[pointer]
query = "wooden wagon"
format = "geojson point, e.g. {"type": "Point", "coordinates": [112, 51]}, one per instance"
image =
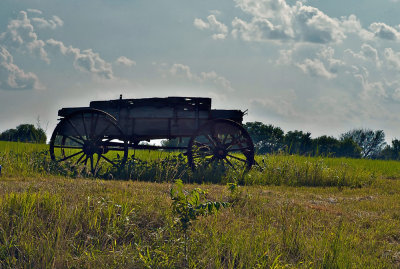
{"type": "Point", "coordinates": [102, 134]}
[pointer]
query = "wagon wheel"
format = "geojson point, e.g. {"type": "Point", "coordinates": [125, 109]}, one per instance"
{"type": "Point", "coordinates": [221, 142]}
{"type": "Point", "coordinates": [90, 138]}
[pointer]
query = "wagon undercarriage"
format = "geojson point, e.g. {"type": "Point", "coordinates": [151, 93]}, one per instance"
{"type": "Point", "coordinates": [102, 135]}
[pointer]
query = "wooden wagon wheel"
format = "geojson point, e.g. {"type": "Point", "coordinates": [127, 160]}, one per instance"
{"type": "Point", "coordinates": [221, 142]}
{"type": "Point", "coordinates": [89, 138]}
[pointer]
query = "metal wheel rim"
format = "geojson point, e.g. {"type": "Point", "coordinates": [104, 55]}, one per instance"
{"type": "Point", "coordinates": [88, 142]}
{"type": "Point", "coordinates": [221, 152]}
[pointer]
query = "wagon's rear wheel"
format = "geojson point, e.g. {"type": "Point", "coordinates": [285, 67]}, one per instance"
{"type": "Point", "coordinates": [222, 143]}
{"type": "Point", "coordinates": [90, 139]}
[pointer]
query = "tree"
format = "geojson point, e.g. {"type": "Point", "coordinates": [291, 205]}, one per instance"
{"type": "Point", "coordinates": [391, 152]}
{"type": "Point", "coordinates": [325, 145]}
{"type": "Point", "coordinates": [348, 148]}
{"type": "Point", "coordinates": [24, 133]}
{"type": "Point", "coordinates": [298, 142]}
{"type": "Point", "coordinates": [266, 138]}
{"type": "Point", "coordinates": [371, 142]}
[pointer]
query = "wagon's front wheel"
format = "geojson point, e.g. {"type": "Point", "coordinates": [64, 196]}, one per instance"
{"type": "Point", "coordinates": [90, 139]}
{"type": "Point", "coordinates": [223, 143]}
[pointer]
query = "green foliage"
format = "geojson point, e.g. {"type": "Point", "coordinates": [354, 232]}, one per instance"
{"type": "Point", "coordinates": [391, 152]}
{"type": "Point", "coordinates": [371, 142]}
{"type": "Point", "coordinates": [266, 138]}
{"type": "Point", "coordinates": [189, 206]}
{"type": "Point", "coordinates": [24, 133]}
{"type": "Point", "coordinates": [297, 142]}
{"type": "Point", "coordinates": [271, 139]}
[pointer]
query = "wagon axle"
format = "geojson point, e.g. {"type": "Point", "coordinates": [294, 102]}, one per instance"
{"type": "Point", "coordinates": [100, 135]}
{"type": "Point", "coordinates": [91, 147]}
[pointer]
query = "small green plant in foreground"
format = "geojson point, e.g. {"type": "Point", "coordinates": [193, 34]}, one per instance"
{"type": "Point", "coordinates": [188, 206]}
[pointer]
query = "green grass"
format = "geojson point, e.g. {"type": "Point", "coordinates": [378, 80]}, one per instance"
{"type": "Point", "coordinates": [293, 212]}
{"type": "Point", "coordinates": [32, 160]}
{"type": "Point", "coordinates": [119, 224]}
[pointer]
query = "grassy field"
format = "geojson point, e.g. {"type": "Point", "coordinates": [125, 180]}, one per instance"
{"type": "Point", "coordinates": [288, 212]}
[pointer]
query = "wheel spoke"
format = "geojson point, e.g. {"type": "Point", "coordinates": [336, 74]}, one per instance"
{"type": "Point", "coordinates": [85, 161]}
{"type": "Point", "coordinates": [108, 160]}
{"type": "Point", "coordinates": [211, 140]}
{"type": "Point", "coordinates": [97, 162]}
{"type": "Point", "coordinates": [202, 155]}
{"type": "Point", "coordinates": [239, 149]}
{"type": "Point", "coordinates": [103, 132]}
{"type": "Point", "coordinates": [91, 165]}
{"type": "Point", "coordinates": [70, 156]}
{"type": "Point", "coordinates": [237, 158]}
{"type": "Point", "coordinates": [225, 138]}
{"type": "Point", "coordinates": [233, 142]}
{"type": "Point", "coordinates": [201, 144]}
{"type": "Point", "coordinates": [229, 162]}
{"type": "Point", "coordinates": [66, 147]}
{"type": "Point", "coordinates": [75, 140]}
{"type": "Point", "coordinates": [210, 160]}
{"type": "Point", "coordinates": [84, 125]}
{"type": "Point", "coordinates": [80, 158]}
{"type": "Point", "coordinates": [75, 129]}
{"type": "Point", "coordinates": [93, 125]}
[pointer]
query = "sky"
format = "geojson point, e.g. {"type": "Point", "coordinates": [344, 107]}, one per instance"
{"type": "Point", "coordinates": [324, 67]}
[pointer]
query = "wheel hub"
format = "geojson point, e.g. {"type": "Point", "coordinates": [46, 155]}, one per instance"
{"type": "Point", "coordinates": [90, 148]}
{"type": "Point", "coordinates": [220, 153]}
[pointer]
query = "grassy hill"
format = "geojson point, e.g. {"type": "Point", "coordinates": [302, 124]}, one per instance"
{"type": "Point", "coordinates": [289, 212]}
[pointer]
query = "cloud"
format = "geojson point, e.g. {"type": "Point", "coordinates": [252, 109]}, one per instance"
{"type": "Point", "coordinates": [352, 25]}
{"type": "Point", "coordinates": [20, 34]}
{"type": "Point", "coordinates": [392, 58]}
{"type": "Point", "coordinates": [214, 25]}
{"type": "Point", "coordinates": [125, 61]}
{"type": "Point", "coordinates": [200, 24]}
{"type": "Point", "coordinates": [85, 61]}
{"type": "Point", "coordinates": [371, 90]}
{"type": "Point", "coordinates": [36, 11]}
{"type": "Point", "coordinates": [276, 20]}
{"type": "Point", "coordinates": [322, 64]}
{"type": "Point", "coordinates": [52, 23]}
{"type": "Point", "coordinates": [259, 29]}
{"type": "Point", "coordinates": [14, 78]}
{"type": "Point", "coordinates": [182, 71]}
{"type": "Point", "coordinates": [316, 68]}
{"type": "Point", "coordinates": [315, 26]}
{"type": "Point", "coordinates": [384, 31]}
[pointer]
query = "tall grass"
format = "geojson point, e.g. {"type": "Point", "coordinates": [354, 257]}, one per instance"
{"type": "Point", "coordinates": [32, 160]}
{"type": "Point", "coordinates": [130, 225]}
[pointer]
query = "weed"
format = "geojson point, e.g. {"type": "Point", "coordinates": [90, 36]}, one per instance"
{"type": "Point", "coordinates": [187, 207]}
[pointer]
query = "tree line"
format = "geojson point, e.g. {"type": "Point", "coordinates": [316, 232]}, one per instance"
{"type": "Point", "coordinates": [24, 133]}
{"type": "Point", "coordinates": [356, 143]}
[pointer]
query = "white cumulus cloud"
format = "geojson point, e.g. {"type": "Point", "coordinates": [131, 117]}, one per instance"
{"type": "Point", "coordinates": [14, 78]}
{"type": "Point", "coordinates": [220, 30]}
{"type": "Point", "coordinates": [125, 61]}
{"type": "Point", "coordinates": [20, 34]}
{"type": "Point", "coordinates": [84, 61]}
{"type": "Point", "coordinates": [315, 67]}
{"type": "Point", "coordinates": [52, 23]}
{"type": "Point", "coordinates": [384, 31]}
{"type": "Point", "coordinates": [277, 20]}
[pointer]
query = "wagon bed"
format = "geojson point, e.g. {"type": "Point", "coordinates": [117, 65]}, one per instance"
{"type": "Point", "coordinates": [89, 136]}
